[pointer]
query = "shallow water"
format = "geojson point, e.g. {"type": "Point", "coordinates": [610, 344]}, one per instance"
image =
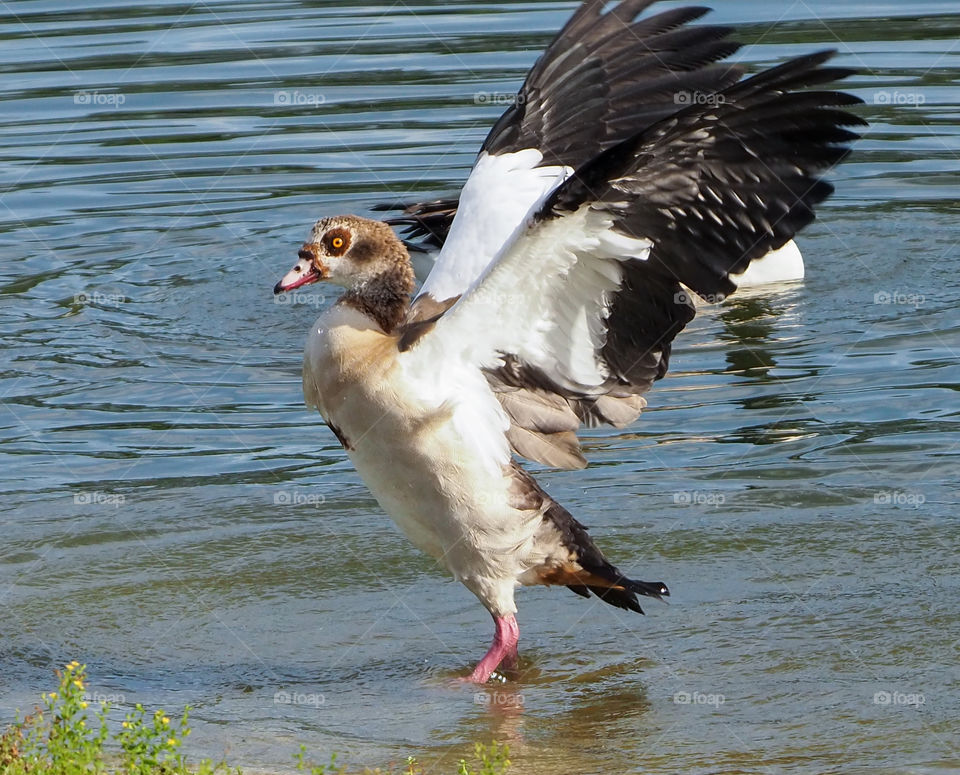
{"type": "Point", "coordinates": [176, 519]}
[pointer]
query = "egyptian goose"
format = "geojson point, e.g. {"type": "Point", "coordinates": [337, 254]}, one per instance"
{"type": "Point", "coordinates": [596, 198]}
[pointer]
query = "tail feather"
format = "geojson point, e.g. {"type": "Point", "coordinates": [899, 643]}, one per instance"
{"type": "Point", "coordinates": [624, 596]}
{"type": "Point", "coordinates": [576, 561]}
{"type": "Point", "coordinates": [621, 598]}
{"type": "Point", "coordinates": [594, 572]}
{"type": "Point", "coordinates": [655, 589]}
{"type": "Point", "coordinates": [579, 589]}
{"type": "Point", "coordinates": [622, 591]}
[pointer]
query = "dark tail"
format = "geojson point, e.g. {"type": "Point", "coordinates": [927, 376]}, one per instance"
{"type": "Point", "coordinates": [574, 560]}
{"type": "Point", "coordinates": [623, 593]}
{"type": "Point", "coordinates": [595, 574]}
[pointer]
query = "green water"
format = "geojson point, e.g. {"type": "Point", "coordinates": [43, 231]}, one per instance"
{"type": "Point", "coordinates": [174, 517]}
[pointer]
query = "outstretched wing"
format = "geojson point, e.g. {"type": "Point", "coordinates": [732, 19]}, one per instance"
{"type": "Point", "coordinates": [604, 77]}
{"type": "Point", "coordinates": [428, 222]}
{"type": "Point", "coordinates": [574, 320]}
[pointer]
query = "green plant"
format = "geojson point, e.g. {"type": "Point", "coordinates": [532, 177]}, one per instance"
{"type": "Point", "coordinates": [316, 769]}
{"type": "Point", "coordinates": [494, 760]}
{"type": "Point", "coordinates": [60, 738]}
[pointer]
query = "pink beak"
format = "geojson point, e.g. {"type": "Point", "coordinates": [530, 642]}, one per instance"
{"type": "Point", "coordinates": [304, 271]}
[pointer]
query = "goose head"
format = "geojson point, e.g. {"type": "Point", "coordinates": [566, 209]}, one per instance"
{"type": "Point", "coordinates": [347, 251]}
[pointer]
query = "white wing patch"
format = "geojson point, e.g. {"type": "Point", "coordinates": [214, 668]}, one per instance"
{"type": "Point", "coordinates": [544, 300]}
{"type": "Point", "coordinates": [778, 266]}
{"type": "Point", "coordinates": [496, 203]}
{"type": "Point", "coordinates": [458, 390]}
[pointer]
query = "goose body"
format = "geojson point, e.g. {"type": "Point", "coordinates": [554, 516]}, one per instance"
{"type": "Point", "coordinates": [436, 483]}
{"type": "Point", "coordinates": [597, 209]}
{"type": "Point", "coordinates": [435, 454]}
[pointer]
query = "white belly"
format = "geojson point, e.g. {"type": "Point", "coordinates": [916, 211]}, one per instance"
{"type": "Point", "coordinates": [439, 484]}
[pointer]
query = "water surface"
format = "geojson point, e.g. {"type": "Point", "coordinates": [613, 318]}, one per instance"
{"type": "Point", "coordinates": [176, 519]}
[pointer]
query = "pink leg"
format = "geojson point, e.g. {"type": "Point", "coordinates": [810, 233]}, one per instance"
{"type": "Point", "coordinates": [503, 649]}
{"type": "Point", "coordinates": [512, 659]}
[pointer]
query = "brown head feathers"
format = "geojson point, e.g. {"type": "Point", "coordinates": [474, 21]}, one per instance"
{"type": "Point", "coordinates": [369, 260]}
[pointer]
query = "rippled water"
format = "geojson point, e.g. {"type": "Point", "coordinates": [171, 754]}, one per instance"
{"type": "Point", "coordinates": [175, 518]}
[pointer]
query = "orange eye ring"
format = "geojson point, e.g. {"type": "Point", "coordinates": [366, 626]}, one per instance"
{"type": "Point", "coordinates": [337, 242]}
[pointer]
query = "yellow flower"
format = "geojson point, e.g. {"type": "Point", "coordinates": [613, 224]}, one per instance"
{"type": "Point", "coordinates": [78, 683]}
{"type": "Point", "coordinates": [53, 695]}
{"type": "Point", "coordinates": [125, 725]}
{"type": "Point", "coordinates": [73, 665]}
{"type": "Point", "coordinates": [84, 704]}
{"type": "Point", "coordinates": [165, 720]}
{"type": "Point", "coordinates": [172, 742]}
